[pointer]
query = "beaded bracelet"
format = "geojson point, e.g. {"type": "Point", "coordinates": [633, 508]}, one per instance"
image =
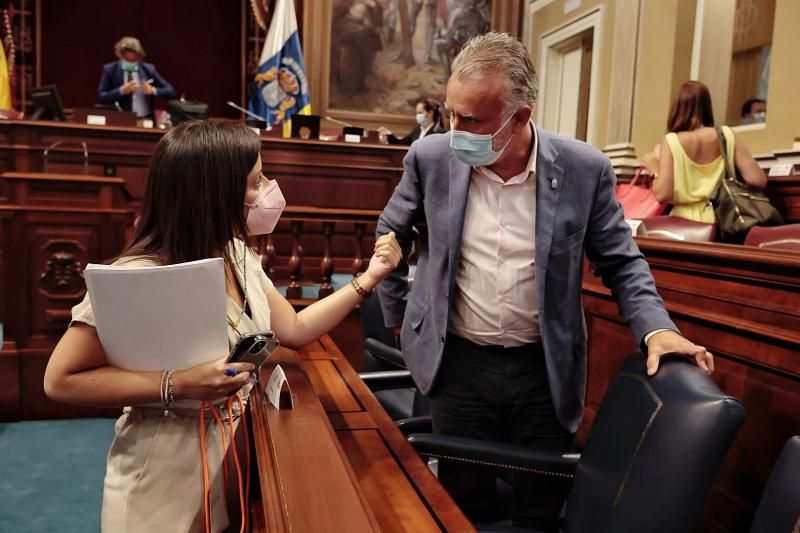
{"type": "Point", "coordinates": [361, 291]}
{"type": "Point", "coordinates": [167, 388]}
{"type": "Point", "coordinates": [170, 388]}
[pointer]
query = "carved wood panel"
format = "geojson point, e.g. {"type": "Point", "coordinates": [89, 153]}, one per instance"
{"type": "Point", "coordinates": [58, 257]}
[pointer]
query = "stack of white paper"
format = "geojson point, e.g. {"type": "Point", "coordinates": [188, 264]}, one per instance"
{"type": "Point", "coordinates": [152, 318]}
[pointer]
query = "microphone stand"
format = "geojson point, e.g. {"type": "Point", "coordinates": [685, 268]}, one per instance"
{"type": "Point", "coordinates": [252, 115]}
{"type": "Point", "coordinates": [85, 156]}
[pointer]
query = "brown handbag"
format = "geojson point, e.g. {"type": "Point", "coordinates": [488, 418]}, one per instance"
{"type": "Point", "coordinates": [737, 206]}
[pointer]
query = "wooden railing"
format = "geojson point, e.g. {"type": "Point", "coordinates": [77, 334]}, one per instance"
{"type": "Point", "coordinates": [286, 259]}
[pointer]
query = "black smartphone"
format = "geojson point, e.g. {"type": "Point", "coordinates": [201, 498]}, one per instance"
{"type": "Point", "coordinates": [254, 348]}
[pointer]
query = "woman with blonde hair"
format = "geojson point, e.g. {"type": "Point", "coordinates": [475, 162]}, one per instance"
{"type": "Point", "coordinates": [687, 165]}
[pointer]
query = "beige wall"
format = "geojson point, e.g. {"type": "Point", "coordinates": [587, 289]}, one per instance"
{"type": "Point", "coordinates": [552, 17]}
{"type": "Point", "coordinates": [783, 105]}
{"type": "Point", "coordinates": [665, 56]}
{"type": "Point", "coordinates": [664, 62]}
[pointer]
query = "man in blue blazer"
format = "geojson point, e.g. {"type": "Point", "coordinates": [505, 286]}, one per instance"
{"type": "Point", "coordinates": [493, 328]}
{"type": "Point", "coordinates": [131, 84]}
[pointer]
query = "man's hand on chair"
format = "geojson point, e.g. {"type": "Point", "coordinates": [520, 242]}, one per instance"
{"type": "Point", "coordinates": [669, 342]}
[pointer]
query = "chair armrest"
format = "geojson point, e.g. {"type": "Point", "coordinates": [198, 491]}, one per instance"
{"type": "Point", "coordinates": [384, 352]}
{"type": "Point", "coordinates": [416, 424]}
{"type": "Point", "coordinates": [387, 379]}
{"type": "Point", "coordinates": [495, 454]}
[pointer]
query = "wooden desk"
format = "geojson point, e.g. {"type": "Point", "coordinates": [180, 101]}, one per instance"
{"type": "Point", "coordinates": [743, 304]}
{"type": "Point", "coordinates": [51, 226]}
{"type": "Point", "coordinates": [311, 173]}
{"type": "Point", "coordinates": [314, 173]}
{"type": "Point", "coordinates": [337, 462]}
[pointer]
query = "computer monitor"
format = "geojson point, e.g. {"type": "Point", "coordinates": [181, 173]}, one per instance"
{"type": "Point", "coordinates": [46, 103]}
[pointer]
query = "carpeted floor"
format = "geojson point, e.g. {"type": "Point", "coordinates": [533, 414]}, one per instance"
{"type": "Point", "coordinates": [51, 474]}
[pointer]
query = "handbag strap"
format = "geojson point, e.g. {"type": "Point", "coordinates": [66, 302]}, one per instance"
{"type": "Point", "coordinates": [723, 151]}
{"type": "Point", "coordinates": [632, 183]}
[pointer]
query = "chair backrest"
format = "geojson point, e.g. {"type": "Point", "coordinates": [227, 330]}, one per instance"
{"type": "Point", "coordinates": [653, 450]}
{"type": "Point", "coordinates": [786, 237]}
{"type": "Point", "coordinates": [779, 508]}
{"type": "Point", "coordinates": [679, 229]}
{"type": "Point", "coordinates": [372, 321]}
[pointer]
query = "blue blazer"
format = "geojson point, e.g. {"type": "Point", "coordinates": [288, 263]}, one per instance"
{"type": "Point", "coordinates": [576, 211]}
{"type": "Point", "coordinates": [113, 77]}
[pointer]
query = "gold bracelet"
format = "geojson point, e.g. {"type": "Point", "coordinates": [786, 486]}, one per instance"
{"type": "Point", "coordinates": [361, 291]}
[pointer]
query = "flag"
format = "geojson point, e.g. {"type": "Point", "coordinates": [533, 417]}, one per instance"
{"type": "Point", "coordinates": [280, 88]}
{"type": "Point", "coordinates": [5, 81]}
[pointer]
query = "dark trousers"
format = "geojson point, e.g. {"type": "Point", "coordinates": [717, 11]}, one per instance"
{"type": "Point", "coordinates": [499, 394]}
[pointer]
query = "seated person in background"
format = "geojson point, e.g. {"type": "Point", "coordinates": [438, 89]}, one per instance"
{"type": "Point", "coordinates": [131, 84]}
{"type": "Point", "coordinates": [754, 111]}
{"type": "Point", "coordinates": [429, 120]}
{"type": "Point", "coordinates": [687, 165]}
{"type": "Point", "coordinates": [153, 479]}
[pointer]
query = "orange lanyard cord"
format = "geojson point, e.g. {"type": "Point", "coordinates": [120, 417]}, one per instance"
{"type": "Point", "coordinates": [244, 485]}
{"type": "Point", "coordinates": [216, 416]}
{"type": "Point", "coordinates": [204, 458]}
{"type": "Point", "coordinates": [242, 496]}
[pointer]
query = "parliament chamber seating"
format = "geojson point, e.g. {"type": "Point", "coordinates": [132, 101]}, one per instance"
{"type": "Point", "coordinates": [650, 457]}
{"type": "Point", "coordinates": [786, 237]}
{"type": "Point", "coordinates": [385, 372]}
{"type": "Point", "coordinates": [779, 508]}
{"type": "Point", "coordinates": [678, 228]}
{"type": "Point", "coordinates": [743, 303]}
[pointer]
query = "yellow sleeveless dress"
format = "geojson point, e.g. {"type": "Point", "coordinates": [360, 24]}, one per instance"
{"type": "Point", "coordinates": [694, 182]}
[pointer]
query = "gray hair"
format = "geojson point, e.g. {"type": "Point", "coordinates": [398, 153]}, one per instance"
{"type": "Point", "coordinates": [499, 52]}
{"type": "Point", "coordinates": [126, 44]}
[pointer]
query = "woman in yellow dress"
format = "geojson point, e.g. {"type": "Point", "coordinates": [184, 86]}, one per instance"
{"type": "Point", "coordinates": [688, 165]}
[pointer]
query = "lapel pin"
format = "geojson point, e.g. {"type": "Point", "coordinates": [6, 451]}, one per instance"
{"type": "Point", "coordinates": [554, 183]}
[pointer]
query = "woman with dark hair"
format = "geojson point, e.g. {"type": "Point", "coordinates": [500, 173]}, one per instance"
{"type": "Point", "coordinates": [688, 165]}
{"type": "Point", "coordinates": [206, 196]}
{"type": "Point", "coordinates": [429, 120]}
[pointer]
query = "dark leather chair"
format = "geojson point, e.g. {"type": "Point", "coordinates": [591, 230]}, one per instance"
{"type": "Point", "coordinates": [678, 228]}
{"type": "Point", "coordinates": [649, 459]}
{"type": "Point", "coordinates": [385, 372]}
{"type": "Point", "coordinates": [779, 508]}
{"type": "Point", "coordinates": [786, 237]}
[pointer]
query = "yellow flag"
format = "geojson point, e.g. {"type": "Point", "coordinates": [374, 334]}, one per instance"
{"type": "Point", "coordinates": [5, 82]}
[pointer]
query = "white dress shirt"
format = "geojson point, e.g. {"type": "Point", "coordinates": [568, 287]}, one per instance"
{"type": "Point", "coordinates": [423, 130]}
{"type": "Point", "coordinates": [140, 105]}
{"type": "Point", "coordinates": [496, 299]}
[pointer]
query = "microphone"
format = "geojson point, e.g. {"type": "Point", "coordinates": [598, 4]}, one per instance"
{"type": "Point", "coordinates": [250, 114]}
{"type": "Point", "coordinates": [341, 122]}
{"type": "Point", "coordinates": [57, 143]}
{"type": "Point", "coordinates": [116, 104]}
{"type": "Point", "coordinates": [47, 150]}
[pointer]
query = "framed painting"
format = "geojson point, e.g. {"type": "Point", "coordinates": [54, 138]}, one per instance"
{"type": "Point", "coordinates": [371, 60]}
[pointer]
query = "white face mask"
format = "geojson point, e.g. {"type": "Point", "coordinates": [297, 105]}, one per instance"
{"type": "Point", "coordinates": [266, 210]}
{"type": "Point", "coordinates": [476, 149]}
{"type": "Point", "coordinates": [759, 116]}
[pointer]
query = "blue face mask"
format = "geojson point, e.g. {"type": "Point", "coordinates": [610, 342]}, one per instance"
{"type": "Point", "coordinates": [421, 119]}
{"type": "Point", "coordinates": [476, 149]}
{"type": "Point", "coordinates": [127, 66]}
{"type": "Point", "coordinates": [760, 116]}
